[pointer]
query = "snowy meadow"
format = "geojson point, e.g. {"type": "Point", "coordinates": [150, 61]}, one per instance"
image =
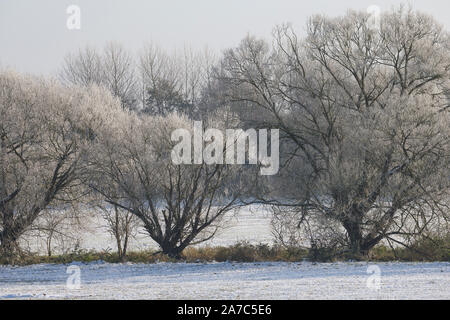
{"type": "Point", "coordinates": [269, 280]}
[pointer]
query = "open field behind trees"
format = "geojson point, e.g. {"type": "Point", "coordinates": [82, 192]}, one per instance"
{"type": "Point", "coordinates": [251, 225]}
{"type": "Point", "coordinates": [246, 235]}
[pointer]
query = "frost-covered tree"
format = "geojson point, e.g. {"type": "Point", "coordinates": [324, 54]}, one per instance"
{"type": "Point", "coordinates": [83, 68]}
{"type": "Point", "coordinates": [113, 67]}
{"type": "Point", "coordinates": [179, 205]}
{"type": "Point", "coordinates": [119, 74]}
{"type": "Point", "coordinates": [56, 230]}
{"type": "Point", "coordinates": [46, 133]}
{"type": "Point", "coordinates": [364, 116]}
{"type": "Point", "coordinates": [173, 82]}
{"type": "Point", "coordinates": [121, 224]}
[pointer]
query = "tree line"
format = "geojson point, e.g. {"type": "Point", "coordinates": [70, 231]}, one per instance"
{"type": "Point", "coordinates": [362, 111]}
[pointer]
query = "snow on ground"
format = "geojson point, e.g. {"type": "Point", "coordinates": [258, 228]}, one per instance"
{"type": "Point", "coordinates": [274, 280]}
{"type": "Point", "coordinates": [251, 224]}
{"type": "Point", "coordinates": [269, 280]}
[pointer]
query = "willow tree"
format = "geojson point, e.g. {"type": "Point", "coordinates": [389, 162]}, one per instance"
{"type": "Point", "coordinates": [45, 135]}
{"type": "Point", "coordinates": [363, 112]}
{"type": "Point", "coordinates": [178, 204]}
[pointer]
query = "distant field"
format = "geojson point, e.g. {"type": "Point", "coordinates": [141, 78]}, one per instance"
{"type": "Point", "coordinates": [250, 224]}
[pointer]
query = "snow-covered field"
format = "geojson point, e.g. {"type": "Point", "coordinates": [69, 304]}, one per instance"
{"type": "Point", "coordinates": [274, 280]}
{"type": "Point", "coordinates": [250, 224]}
{"type": "Point", "coordinates": [228, 281]}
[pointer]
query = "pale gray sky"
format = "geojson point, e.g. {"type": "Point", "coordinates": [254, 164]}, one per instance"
{"type": "Point", "coordinates": [34, 37]}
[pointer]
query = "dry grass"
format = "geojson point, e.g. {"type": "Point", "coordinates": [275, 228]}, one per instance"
{"type": "Point", "coordinates": [428, 249]}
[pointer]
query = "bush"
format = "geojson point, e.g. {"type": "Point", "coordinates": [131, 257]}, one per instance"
{"type": "Point", "coordinates": [426, 248]}
{"type": "Point", "coordinates": [244, 252]}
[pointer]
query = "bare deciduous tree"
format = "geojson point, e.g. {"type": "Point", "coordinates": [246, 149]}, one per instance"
{"type": "Point", "coordinates": [59, 229]}
{"type": "Point", "coordinates": [45, 134]}
{"type": "Point", "coordinates": [112, 68]}
{"type": "Point", "coordinates": [179, 205]}
{"type": "Point", "coordinates": [173, 82]}
{"type": "Point", "coordinates": [364, 116]}
{"type": "Point", "coordinates": [83, 69]}
{"type": "Point", "coordinates": [121, 224]}
{"type": "Point", "coordinates": [119, 69]}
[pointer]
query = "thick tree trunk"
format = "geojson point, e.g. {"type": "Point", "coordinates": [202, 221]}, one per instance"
{"type": "Point", "coordinates": [9, 248]}
{"type": "Point", "coordinates": [358, 244]}
{"type": "Point", "coordinates": [172, 251]}
{"type": "Point", "coordinates": [355, 237]}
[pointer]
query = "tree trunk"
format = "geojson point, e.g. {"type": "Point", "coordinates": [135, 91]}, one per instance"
{"type": "Point", "coordinates": [359, 246]}
{"type": "Point", "coordinates": [49, 244]}
{"type": "Point", "coordinates": [172, 251]}
{"type": "Point", "coordinates": [124, 248]}
{"type": "Point", "coordinates": [355, 237]}
{"type": "Point", "coordinates": [119, 249]}
{"type": "Point", "coordinates": [9, 248]}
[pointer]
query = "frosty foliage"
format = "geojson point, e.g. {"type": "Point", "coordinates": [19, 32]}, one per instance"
{"type": "Point", "coordinates": [364, 116]}
{"type": "Point", "coordinates": [364, 136]}
{"type": "Point", "coordinates": [178, 205]}
{"type": "Point", "coordinates": [46, 135]}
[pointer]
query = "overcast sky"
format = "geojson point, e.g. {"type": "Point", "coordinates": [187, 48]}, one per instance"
{"type": "Point", "coordinates": [34, 36]}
